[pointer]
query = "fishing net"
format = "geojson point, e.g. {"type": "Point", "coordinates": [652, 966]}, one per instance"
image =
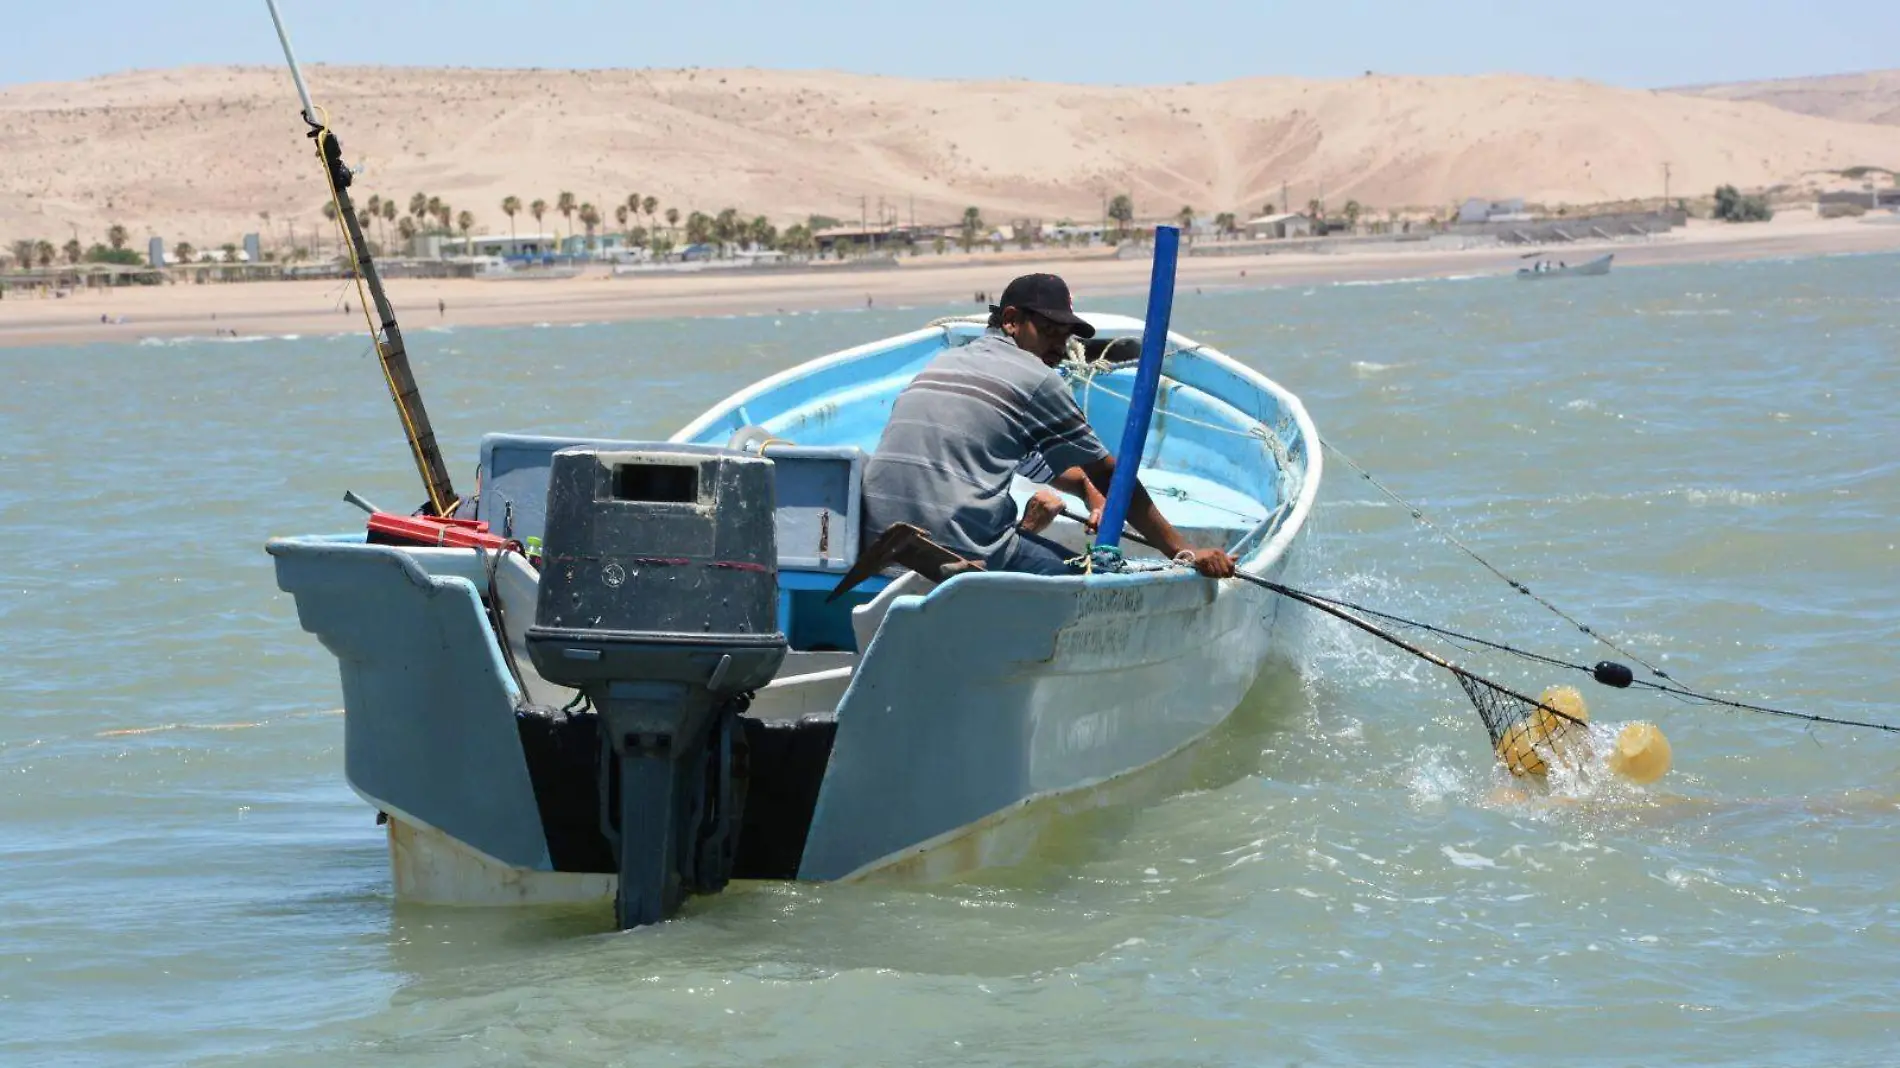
{"type": "Point", "coordinates": [1530, 736]}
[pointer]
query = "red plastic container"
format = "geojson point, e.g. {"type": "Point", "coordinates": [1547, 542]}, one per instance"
{"type": "Point", "coordinates": [388, 529]}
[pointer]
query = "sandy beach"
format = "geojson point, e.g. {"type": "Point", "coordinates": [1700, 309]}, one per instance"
{"type": "Point", "coordinates": [318, 307]}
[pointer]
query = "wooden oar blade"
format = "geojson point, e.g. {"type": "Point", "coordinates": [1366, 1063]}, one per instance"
{"type": "Point", "coordinates": [908, 547]}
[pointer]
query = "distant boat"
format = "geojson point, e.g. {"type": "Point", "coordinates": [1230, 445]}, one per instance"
{"type": "Point", "coordinates": [1544, 268]}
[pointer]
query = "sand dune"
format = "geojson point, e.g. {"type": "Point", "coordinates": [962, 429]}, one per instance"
{"type": "Point", "coordinates": [199, 153]}
{"type": "Point", "coordinates": [1871, 96]}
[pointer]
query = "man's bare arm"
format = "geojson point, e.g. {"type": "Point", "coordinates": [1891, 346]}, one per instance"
{"type": "Point", "coordinates": [1075, 482]}
{"type": "Point", "coordinates": [1151, 524]}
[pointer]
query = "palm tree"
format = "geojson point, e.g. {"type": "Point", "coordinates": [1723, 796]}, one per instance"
{"type": "Point", "coordinates": [185, 253]}
{"type": "Point", "coordinates": [329, 210]}
{"type": "Point", "coordinates": [797, 238]}
{"type": "Point", "coordinates": [1351, 212]}
{"type": "Point", "coordinates": [45, 251]}
{"type": "Point", "coordinates": [465, 222]}
{"type": "Point", "coordinates": [672, 219]}
{"type": "Point", "coordinates": [1224, 223]}
{"type": "Point", "coordinates": [620, 216]}
{"type": "Point", "coordinates": [649, 204]}
{"type": "Point", "coordinates": [590, 218]}
{"type": "Point", "coordinates": [389, 211]}
{"type": "Point", "coordinates": [369, 218]}
{"type": "Point", "coordinates": [698, 228]}
{"type": "Point", "coordinates": [419, 206]}
{"type": "Point", "coordinates": [73, 251]}
{"type": "Point", "coordinates": [566, 205]}
{"type": "Point", "coordinates": [633, 203]}
{"type": "Point", "coordinates": [23, 254]}
{"type": "Point", "coordinates": [1122, 210]}
{"type": "Point", "coordinates": [727, 228]}
{"type": "Point", "coordinates": [972, 222]}
{"type": "Point", "coordinates": [510, 205]}
{"type": "Point", "coordinates": [762, 233]}
{"type": "Point", "coordinates": [406, 228]}
{"type": "Point", "coordinates": [443, 213]}
{"type": "Point", "coordinates": [538, 209]}
{"type": "Point", "coordinates": [115, 236]}
{"type": "Point", "coordinates": [1315, 210]}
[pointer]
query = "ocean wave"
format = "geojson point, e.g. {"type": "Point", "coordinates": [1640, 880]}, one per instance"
{"type": "Point", "coordinates": [1412, 280]}
{"type": "Point", "coordinates": [1367, 368]}
{"type": "Point", "coordinates": [1696, 495]}
{"type": "Point", "coordinates": [213, 339]}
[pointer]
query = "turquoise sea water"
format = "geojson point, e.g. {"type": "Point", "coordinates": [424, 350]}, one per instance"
{"type": "Point", "coordinates": [1699, 460]}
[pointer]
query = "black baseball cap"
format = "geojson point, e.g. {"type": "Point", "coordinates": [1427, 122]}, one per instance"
{"type": "Point", "coordinates": [1048, 296]}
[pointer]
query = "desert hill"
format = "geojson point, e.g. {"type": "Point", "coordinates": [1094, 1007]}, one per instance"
{"type": "Point", "coordinates": [1873, 96]}
{"type": "Point", "coordinates": [199, 153]}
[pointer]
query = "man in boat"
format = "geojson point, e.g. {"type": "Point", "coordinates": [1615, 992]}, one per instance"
{"type": "Point", "coordinates": [981, 413]}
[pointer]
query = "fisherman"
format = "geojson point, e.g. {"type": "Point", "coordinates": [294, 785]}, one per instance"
{"type": "Point", "coordinates": [979, 414]}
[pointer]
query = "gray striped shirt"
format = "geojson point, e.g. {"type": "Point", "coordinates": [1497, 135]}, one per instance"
{"type": "Point", "coordinates": [973, 418]}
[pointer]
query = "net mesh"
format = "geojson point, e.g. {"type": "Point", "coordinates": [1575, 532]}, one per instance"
{"type": "Point", "coordinates": [1529, 736]}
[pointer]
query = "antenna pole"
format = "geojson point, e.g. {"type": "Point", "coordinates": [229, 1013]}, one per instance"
{"type": "Point", "coordinates": [296, 74]}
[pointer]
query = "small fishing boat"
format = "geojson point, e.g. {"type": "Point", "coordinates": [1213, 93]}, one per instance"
{"type": "Point", "coordinates": [1546, 268]}
{"type": "Point", "coordinates": [911, 727]}
{"type": "Point", "coordinates": [637, 670]}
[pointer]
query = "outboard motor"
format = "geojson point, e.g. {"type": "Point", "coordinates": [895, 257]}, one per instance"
{"type": "Point", "coordinates": [659, 601]}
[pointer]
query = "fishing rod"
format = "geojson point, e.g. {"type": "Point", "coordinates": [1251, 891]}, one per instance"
{"type": "Point", "coordinates": [390, 352]}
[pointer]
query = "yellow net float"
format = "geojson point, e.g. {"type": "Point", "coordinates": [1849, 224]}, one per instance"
{"type": "Point", "coordinates": [1641, 755]}
{"type": "Point", "coordinates": [1525, 745]}
{"type": "Point", "coordinates": [1641, 752]}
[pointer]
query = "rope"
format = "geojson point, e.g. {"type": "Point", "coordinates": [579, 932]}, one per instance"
{"type": "Point", "coordinates": [323, 134]}
{"type": "Point", "coordinates": [1320, 601]}
{"type": "Point", "coordinates": [1180, 494]}
{"type": "Point", "coordinates": [491, 563]}
{"type": "Point", "coordinates": [1488, 565]}
{"type": "Point", "coordinates": [1258, 432]}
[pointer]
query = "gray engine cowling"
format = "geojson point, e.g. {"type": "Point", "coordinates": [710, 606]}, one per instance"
{"type": "Point", "coordinates": [658, 600]}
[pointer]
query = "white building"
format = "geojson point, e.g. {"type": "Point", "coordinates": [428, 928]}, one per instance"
{"type": "Point", "coordinates": [1287, 224]}
{"type": "Point", "coordinates": [503, 245]}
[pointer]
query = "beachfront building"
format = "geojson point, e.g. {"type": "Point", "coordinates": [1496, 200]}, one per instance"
{"type": "Point", "coordinates": [1478, 210]}
{"type": "Point", "coordinates": [506, 246]}
{"type": "Point", "coordinates": [1870, 199]}
{"type": "Point", "coordinates": [1076, 233]}
{"type": "Point", "coordinates": [605, 244]}
{"type": "Point", "coordinates": [1283, 225]}
{"type": "Point", "coordinates": [853, 239]}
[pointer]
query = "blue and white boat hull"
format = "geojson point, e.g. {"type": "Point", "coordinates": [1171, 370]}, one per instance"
{"type": "Point", "coordinates": [958, 716]}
